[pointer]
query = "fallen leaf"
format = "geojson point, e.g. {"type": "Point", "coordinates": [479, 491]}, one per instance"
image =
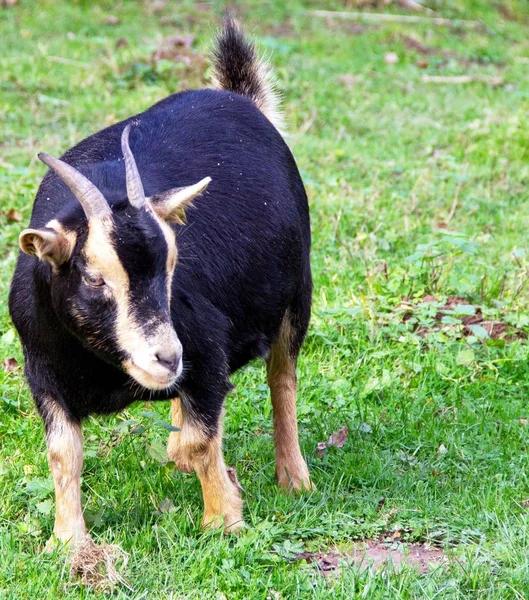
{"type": "Point", "coordinates": [232, 474]}
{"type": "Point", "coordinates": [166, 506]}
{"type": "Point", "coordinates": [337, 439]}
{"type": "Point", "coordinates": [14, 215]}
{"type": "Point", "coordinates": [523, 421]}
{"type": "Point", "coordinates": [391, 58]}
{"type": "Point", "coordinates": [10, 364]}
{"type": "Point", "coordinates": [320, 449]}
{"type": "Point", "coordinates": [112, 20]}
{"type": "Point", "coordinates": [465, 358]}
{"type": "Point", "coordinates": [157, 451]}
{"type": "Point", "coordinates": [348, 80]}
{"type": "Point", "coordinates": [121, 43]}
{"type": "Point", "coordinates": [329, 561]}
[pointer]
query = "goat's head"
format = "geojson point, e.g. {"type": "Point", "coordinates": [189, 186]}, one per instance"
{"type": "Point", "coordinates": [111, 277]}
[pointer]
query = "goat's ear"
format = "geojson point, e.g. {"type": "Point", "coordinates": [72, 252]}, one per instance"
{"type": "Point", "coordinates": [47, 244]}
{"type": "Point", "coordinates": [170, 205]}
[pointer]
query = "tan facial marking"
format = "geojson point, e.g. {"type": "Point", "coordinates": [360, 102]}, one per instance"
{"type": "Point", "coordinates": [291, 469]}
{"type": "Point", "coordinates": [172, 251]}
{"type": "Point", "coordinates": [102, 260]}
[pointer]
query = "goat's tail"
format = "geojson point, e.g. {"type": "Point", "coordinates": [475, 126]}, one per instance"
{"type": "Point", "coordinates": [237, 68]}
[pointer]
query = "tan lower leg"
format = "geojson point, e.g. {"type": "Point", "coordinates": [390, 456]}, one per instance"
{"type": "Point", "coordinates": [175, 451]}
{"type": "Point", "coordinates": [196, 450]}
{"type": "Point", "coordinates": [222, 500]}
{"type": "Point", "coordinates": [291, 469]}
{"type": "Point", "coordinates": [65, 456]}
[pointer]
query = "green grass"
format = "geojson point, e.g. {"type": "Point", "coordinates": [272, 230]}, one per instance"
{"type": "Point", "coordinates": [383, 157]}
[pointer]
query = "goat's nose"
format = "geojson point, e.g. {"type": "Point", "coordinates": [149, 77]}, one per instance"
{"type": "Point", "coordinates": [169, 359]}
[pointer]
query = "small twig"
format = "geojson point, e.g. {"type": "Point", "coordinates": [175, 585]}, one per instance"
{"type": "Point", "coordinates": [494, 81]}
{"type": "Point", "coordinates": [456, 195]}
{"type": "Point", "coordinates": [365, 16]}
{"type": "Point", "coordinates": [68, 61]}
{"type": "Point", "coordinates": [309, 122]}
{"type": "Point", "coordinates": [412, 5]}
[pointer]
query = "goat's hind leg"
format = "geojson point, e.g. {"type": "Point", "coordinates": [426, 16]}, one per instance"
{"type": "Point", "coordinates": [291, 468]}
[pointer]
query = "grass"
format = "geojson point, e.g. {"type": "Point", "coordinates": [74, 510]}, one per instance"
{"type": "Point", "coordinates": [437, 423]}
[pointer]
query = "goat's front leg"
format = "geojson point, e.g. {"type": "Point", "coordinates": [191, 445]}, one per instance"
{"type": "Point", "coordinates": [175, 452]}
{"type": "Point", "coordinates": [65, 456]}
{"type": "Point", "coordinates": [199, 448]}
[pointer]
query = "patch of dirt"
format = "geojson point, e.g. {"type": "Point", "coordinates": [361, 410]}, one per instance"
{"type": "Point", "coordinates": [282, 29]}
{"type": "Point", "coordinates": [507, 13]}
{"type": "Point", "coordinates": [10, 365]}
{"type": "Point", "coordinates": [496, 329]}
{"type": "Point", "coordinates": [415, 44]}
{"type": "Point", "coordinates": [172, 46]}
{"type": "Point", "coordinates": [348, 26]}
{"type": "Point", "coordinates": [178, 49]}
{"type": "Point", "coordinates": [377, 555]}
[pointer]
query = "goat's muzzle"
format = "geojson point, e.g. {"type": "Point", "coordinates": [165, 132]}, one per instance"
{"type": "Point", "coordinates": [158, 364]}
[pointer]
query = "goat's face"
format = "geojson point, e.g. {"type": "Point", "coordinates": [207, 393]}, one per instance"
{"type": "Point", "coordinates": [115, 294]}
{"type": "Point", "coordinates": [111, 284]}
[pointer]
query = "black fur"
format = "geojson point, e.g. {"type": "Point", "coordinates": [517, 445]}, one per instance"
{"type": "Point", "coordinates": [243, 254]}
{"type": "Point", "coordinates": [235, 63]}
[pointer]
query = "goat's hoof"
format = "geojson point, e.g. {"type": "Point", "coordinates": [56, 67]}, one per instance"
{"type": "Point", "coordinates": [68, 542]}
{"type": "Point", "coordinates": [295, 478]}
{"type": "Point", "coordinates": [230, 523]}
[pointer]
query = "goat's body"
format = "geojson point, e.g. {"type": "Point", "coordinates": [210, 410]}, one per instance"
{"type": "Point", "coordinates": [244, 252]}
{"type": "Point", "coordinates": [102, 311]}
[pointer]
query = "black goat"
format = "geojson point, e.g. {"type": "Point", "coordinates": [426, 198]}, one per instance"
{"type": "Point", "coordinates": [107, 310]}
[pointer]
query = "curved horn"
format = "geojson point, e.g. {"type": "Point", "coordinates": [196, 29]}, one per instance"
{"type": "Point", "coordinates": [135, 190]}
{"type": "Point", "coordinates": [90, 198]}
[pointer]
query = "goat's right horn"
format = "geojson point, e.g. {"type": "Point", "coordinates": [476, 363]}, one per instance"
{"type": "Point", "coordinates": [90, 198]}
{"type": "Point", "coordinates": [135, 190]}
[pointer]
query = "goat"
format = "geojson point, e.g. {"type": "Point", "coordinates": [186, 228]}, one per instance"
{"type": "Point", "coordinates": [117, 298]}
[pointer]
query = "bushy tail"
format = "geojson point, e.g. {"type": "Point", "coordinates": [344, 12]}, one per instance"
{"type": "Point", "coordinates": [237, 68]}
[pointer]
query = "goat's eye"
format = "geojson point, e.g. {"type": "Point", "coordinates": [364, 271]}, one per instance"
{"type": "Point", "coordinates": [92, 281]}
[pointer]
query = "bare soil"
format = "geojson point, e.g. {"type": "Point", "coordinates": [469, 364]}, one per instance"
{"type": "Point", "coordinates": [496, 329]}
{"type": "Point", "coordinates": [378, 555]}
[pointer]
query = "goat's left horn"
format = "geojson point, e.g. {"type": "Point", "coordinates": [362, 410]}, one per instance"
{"type": "Point", "coordinates": [90, 198]}
{"type": "Point", "coordinates": [135, 190]}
